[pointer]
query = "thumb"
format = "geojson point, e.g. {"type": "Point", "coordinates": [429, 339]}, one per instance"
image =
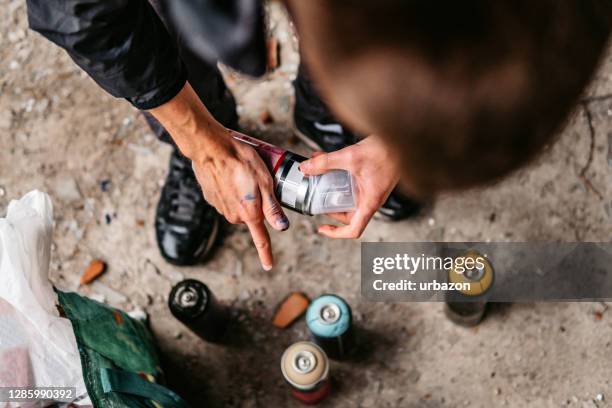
{"type": "Point", "coordinates": [324, 162]}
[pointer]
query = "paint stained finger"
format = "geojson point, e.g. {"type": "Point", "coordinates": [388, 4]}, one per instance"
{"type": "Point", "coordinates": [249, 197]}
{"type": "Point", "coordinates": [275, 215]}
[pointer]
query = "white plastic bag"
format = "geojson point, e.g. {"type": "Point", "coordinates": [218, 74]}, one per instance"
{"type": "Point", "coordinates": [37, 346]}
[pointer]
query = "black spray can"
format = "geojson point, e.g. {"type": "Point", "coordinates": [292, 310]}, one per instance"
{"type": "Point", "coordinates": [330, 322]}
{"type": "Point", "coordinates": [467, 305]}
{"type": "Point", "coordinates": [192, 303]}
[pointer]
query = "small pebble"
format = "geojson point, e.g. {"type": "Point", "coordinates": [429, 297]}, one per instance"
{"type": "Point", "coordinates": [138, 314]}
{"type": "Point", "coordinates": [238, 270]}
{"type": "Point", "coordinates": [114, 297]}
{"type": "Point", "coordinates": [104, 185]}
{"type": "Point", "coordinates": [67, 189]}
{"type": "Point", "coordinates": [368, 402]}
{"type": "Point", "coordinates": [174, 275]}
{"type": "Point", "coordinates": [95, 269]}
{"type": "Point", "coordinates": [97, 297]}
{"type": "Point", "coordinates": [244, 295]}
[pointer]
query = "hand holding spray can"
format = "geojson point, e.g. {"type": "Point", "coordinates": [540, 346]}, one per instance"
{"type": "Point", "coordinates": [327, 193]}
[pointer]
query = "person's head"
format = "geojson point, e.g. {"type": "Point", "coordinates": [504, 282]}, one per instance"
{"type": "Point", "coordinates": [465, 91]}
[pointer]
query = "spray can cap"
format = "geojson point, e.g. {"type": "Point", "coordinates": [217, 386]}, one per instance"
{"type": "Point", "coordinates": [304, 365]}
{"type": "Point", "coordinates": [330, 313]}
{"type": "Point", "coordinates": [328, 316]}
{"type": "Point", "coordinates": [189, 299]}
{"type": "Point", "coordinates": [480, 278]}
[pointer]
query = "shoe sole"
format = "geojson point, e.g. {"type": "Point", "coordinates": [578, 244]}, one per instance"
{"type": "Point", "coordinates": [379, 215]}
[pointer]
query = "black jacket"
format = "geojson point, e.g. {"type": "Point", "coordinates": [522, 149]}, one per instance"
{"type": "Point", "coordinates": [130, 52]}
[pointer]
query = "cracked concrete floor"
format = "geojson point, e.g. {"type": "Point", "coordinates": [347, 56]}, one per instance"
{"type": "Point", "coordinates": [63, 135]}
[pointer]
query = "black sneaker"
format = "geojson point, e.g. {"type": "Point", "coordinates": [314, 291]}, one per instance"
{"type": "Point", "coordinates": [330, 136]}
{"type": "Point", "coordinates": [326, 135]}
{"type": "Point", "coordinates": [186, 226]}
{"type": "Point", "coordinates": [399, 207]}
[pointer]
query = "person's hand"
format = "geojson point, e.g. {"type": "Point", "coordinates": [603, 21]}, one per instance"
{"type": "Point", "coordinates": [235, 180]}
{"type": "Point", "coordinates": [233, 177]}
{"type": "Point", "coordinates": [375, 172]}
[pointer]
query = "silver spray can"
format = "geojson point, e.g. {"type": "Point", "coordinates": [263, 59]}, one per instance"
{"type": "Point", "coordinates": [331, 192]}
{"type": "Point", "coordinates": [326, 193]}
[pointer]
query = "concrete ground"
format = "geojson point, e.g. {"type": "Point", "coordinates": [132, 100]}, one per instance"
{"type": "Point", "coordinates": [60, 133]}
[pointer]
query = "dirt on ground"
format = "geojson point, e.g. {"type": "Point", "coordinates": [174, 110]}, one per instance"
{"type": "Point", "coordinates": [103, 168]}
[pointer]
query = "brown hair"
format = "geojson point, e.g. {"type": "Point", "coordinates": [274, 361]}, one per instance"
{"type": "Point", "coordinates": [467, 90]}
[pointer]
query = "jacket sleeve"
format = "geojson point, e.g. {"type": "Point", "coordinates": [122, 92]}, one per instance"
{"type": "Point", "coordinates": [122, 44]}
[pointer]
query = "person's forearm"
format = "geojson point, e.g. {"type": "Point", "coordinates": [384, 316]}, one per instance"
{"type": "Point", "coordinates": [102, 38]}
{"type": "Point", "coordinates": [190, 124]}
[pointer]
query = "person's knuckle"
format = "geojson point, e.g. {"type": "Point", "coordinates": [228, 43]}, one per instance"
{"type": "Point", "coordinates": [322, 160]}
{"type": "Point", "coordinates": [233, 218]}
{"type": "Point", "coordinates": [249, 201]}
{"type": "Point", "coordinates": [250, 215]}
{"type": "Point", "coordinates": [272, 212]}
{"type": "Point", "coordinates": [269, 211]}
{"type": "Point", "coordinates": [262, 244]}
{"type": "Point", "coordinates": [254, 156]}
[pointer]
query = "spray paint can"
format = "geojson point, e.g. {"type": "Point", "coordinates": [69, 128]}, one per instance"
{"type": "Point", "coordinates": [467, 307]}
{"type": "Point", "coordinates": [326, 193]}
{"type": "Point", "coordinates": [305, 368]}
{"type": "Point", "coordinates": [192, 303]}
{"type": "Point", "coordinates": [330, 322]}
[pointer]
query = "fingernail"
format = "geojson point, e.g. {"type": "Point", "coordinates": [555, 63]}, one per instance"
{"type": "Point", "coordinates": [282, 223]}
{"type": "Point", "coordinates": [304, 166]}
{"type": "Point", "coordinates": [266, 267]}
